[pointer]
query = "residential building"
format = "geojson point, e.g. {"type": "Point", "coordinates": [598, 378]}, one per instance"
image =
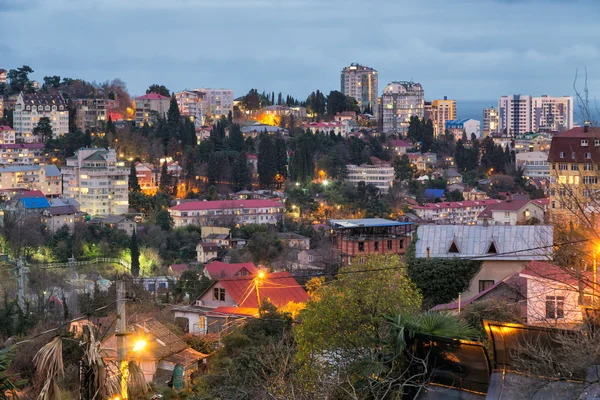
{"type": "Point", "coordinates": [360, 83]}
{"type": "Point", "coordinates": [441, 112]}
{"type": "Point", "coordinates": [512, 212]}
{"type": "Point", "coordinates": [119, 222]}
{"type": "Point", "coordinates": [422, 162]}
{"type": "Point", "coordinates": [427, 111]}
{"type": "Point", "coordinates": [22, 154]}
{"type": "Point", "coordinates": [453, 176]}
{"type": "Point", "coordinates": [55, 217]}
{"type": "Point", "coordinates": [176, 270]}
{"type": "Point", "coordinates": [400, 101]}
{"type": "Point", "coordinates": [338, 128]}
{"type": "Point", "coordinates": [3, 73]}
{"type": "Point", "coordinates": [256, 129]}
{"type": "Point", "coordinates": [45, 178]}
{"type": "Point", "coordinates": [191, 105]}
{"type": "Point", "coordinates": [216, 270]}
{"type": "Point", "coordinates": [217, 102]}
{"type": "Point", "coordinates": [353, 239]}
{"type": "Point", "coordinates": [534, 164]}
{"type": "Point", "coordinates": [514, 115]}
{"type": "Point", "coordinates": [31, 107]}
{"type": "Point", "coordinates": [502, 249]}
{"type": "Point", "coordinates": [98, 181]}
{"type": "Point", "coordinates": [490, 121]}
{"type": "Point", "coordinates": [533, 142]}
{"type": "Point", "coordinates": [574, 164]}
{"type": "Point", "coordinates": [552, 114]}
{"type": "Point", "coordinates": [399, 147]}
{"type": "Point", "coordinates": [7, 135]}
{"type": "Point", "coordinates": [382, 176]}
{"type": "Point", "coordinates": [294, 240]}
{"type": "Point", "coordinates": [146, 177]}
{"type": "Point", "coordinates": [31, 205]}
{"type": "Point", "coordinates": [458, 127]}
{"type": "Point", "coordinates": [454, 212]}
{"type": "Point", "coordinates": [92, 113]}
{"type": "Point", "coordinates": [206, 252]}
{"type": "Point", "coordinates": [238, 211]}
{"type": "Point", "coordinates": [149, 107]}
{"type": "Point", "coordinates": [504, 140]}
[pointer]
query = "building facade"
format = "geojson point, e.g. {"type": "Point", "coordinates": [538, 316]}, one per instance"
{"type": "Point", "coordinates": [442, 111]}
{"type": "Point", "coordinates": [191, 105]}
{"type": "Point", "coordinates": [92, 113]}
{"type": "Point", "coordinates": [382, 176]}
{"type": "Point", "coordinates": [98, 181]}
{"type": "Point", "coordinates": [459, 126]}
{"type": "Point", "coordinates": [552, 114]}
{"type": "Point", "coordinates": [490, 121]}
{"type": "Point", "coordinates": [400, 101]}
{"type": "Point", "coordinates": [7, 135]}
{"type": "Point", "coordinates": [22, 154]}
{"type": "Point", "coordinates": [31, 107]}
{"type": "Point", "coordinates": [360, 83]}
{"type": "Point", "coordinates": [45, 178]}
{"type": "Point", "coordinates": [149, 106]}
{"type": "Point", "coordinates": [454, 212]}
{"type": "Point", "coordinates": [217, 102]}
{"type": "Point", "coordinates": [535, 164]}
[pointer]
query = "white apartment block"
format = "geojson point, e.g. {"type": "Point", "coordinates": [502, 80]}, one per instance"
{"type": "Point", "coordinates": [360, 83]}
{"type": "Point", "coordinates": [45, 178]}
{"type": "Point", "coordinates": [490, 121]}
{"type": "Point", "coordinates": [400, 101]}
{"type": "Point", "coordinates": [7, 135]}
{"type": "Point", "coordinates": [382, 176]}
{"type": "Point", "coordinates": [454, 213]}
{"type": "Point", "coordinates": [22, 154]}
{"type": "Point", "coordinates": [460, 126]}
{"type": "Point", "coordinates": [520, 114]}
{"type": "Point", "coordinates": [97, 181]}
{"type": "Point", "coordinates": [150, 106]}
{"type": "Point", "coordinates": [31, 107]}
{"type": "Point", "coordinates": [217, 102]}
{"type": "Point", "coordinates": [191, 105]}
{"type": "Point", "coordinates": [442, 111]}
{"type": "Point", "coordinates": [535, 164]}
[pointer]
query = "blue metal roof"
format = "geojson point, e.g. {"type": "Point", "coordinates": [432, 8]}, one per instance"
{"type": "Point", "coordinates": [433, 193]}
{"type": "Point", "coordinates": [456, 123]}
{"type": "Point", "coordinates": [35, 202]}
{"type": "Point", "coordinates": [365, 223]}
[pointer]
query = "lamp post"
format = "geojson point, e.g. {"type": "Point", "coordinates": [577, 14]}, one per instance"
{"type": "Point", "coordinates": [259, 277]}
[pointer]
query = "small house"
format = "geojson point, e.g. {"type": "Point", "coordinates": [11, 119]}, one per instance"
{"type": "Point", "coordinates": [206, 252]}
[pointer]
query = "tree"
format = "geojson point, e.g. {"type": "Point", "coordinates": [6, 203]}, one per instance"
{"type": "Point", "coordinates": [160, 89]}
{"type": "Point", "coordinates": [236, 138]}
{"type": "Point", "coordinates": [251, 101]}
{"type": "Point", "coordinates": [135, 255]}
{"type": "Point", "coordinates": [267, 161]}
{"type": "Point", "coordinates": [338, 102]}
{"type": "Point", "coordinates": [134, 185]}
{"type": "Point", "coordinates": [51, 82]}
{"type": "Point", "coordinates": [265, 247]}
{"type": "Point", "coordinates": [403, 168]}
{"type": "Point", "coordinates": [173, 117]}
{"type": "Point", "coordinates": [189, 283]}
{"type": "Point", "coordinates": [19, 80]}
{"type": "Point", "coordinates": [165, 179]}
{"type": "Point", "coordinates": [240, 172]}
{"type": "Point", "coordinates": [43, 129]}
{"type": "Point", "coordinates": [164, 220]}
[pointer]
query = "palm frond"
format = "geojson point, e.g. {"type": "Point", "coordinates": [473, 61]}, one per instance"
{"type": "Point", "coordinates": [49, 361]}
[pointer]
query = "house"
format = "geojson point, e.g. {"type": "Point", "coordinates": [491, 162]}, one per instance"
{"type": "Point", "coordinates": [31, 205]}
{"type": "Point", "coordinates": [235, 299]}
{"type": "Point", "coordinates": [307, 260]}
{"type": "Point", "coordinates": [56, 217]}
{"type": "Point", "coordinates": [511, 212]}
{"type": "Point", "coordinates": [154, 284]}
{"type": "Point", "coordinates": [453, 176]}
{"type": "Point", "coordinates": [294, 240]}
{"type": "Point", "coordinates": [474, 194]}
{"type": "Point", "coordinates": [177, 269]}
{"type": "Point", "coordinates": [399, 147]}
{"type": "Point", "coordinates": [502, 249]}
{"type": "Point", "coordinates": [206, 252]}
{"type": "Point", "coordinates": [146, 177]}
{"type": "Point", "coordinates": [453, 212]}
{"type": "Point", "coordinates": [216, 234]}
{"type": "Point", "coordinates": [353, 239]}
{"type": "Point", "coordinates": [218, 269]}
{"type": "Point", "coordinates": [116, 222]}
{"type": "Point", "coordinates": [167, 358]}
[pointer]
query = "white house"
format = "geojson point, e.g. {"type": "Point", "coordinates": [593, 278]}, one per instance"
{"type": "Point", "coordinates": [511, 212]}
{"type": "Point", "coordinates": [206, 252]}
{"type": "Point", "coordinates": [382, 176]}
{"type": "Point", "coordinates": [469, 126]}
{"type": "Point", "coordinates": [535, 164]}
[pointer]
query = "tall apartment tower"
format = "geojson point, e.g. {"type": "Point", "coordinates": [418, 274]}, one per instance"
{"type": "Point", "coordinates": [400, 101]}
{"type": "Point", "coordinates": [490, 121]}
{"type": "Point", "coordinates": [514, 114]}
{"type": "Point", "coordinates": [552, 113]}
{"type": "Point", "coordinates": [217, 102]}
{"type": "Point", "coordinates": [98, 181]}
{"type": "Point", "coordinates": [441, 112]}
{"type": "Point", "coordinates": [360, 82]}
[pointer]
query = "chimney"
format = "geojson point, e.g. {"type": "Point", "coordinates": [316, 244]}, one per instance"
{"type": "Point", "coordinates": [586, 127]}
{"type": "Point", "coordinates": [428, 252]}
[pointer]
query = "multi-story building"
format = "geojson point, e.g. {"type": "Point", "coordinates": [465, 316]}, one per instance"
{"type": "Point", "coordinates": [227, 211]}
{"type": "Point", "coordinates": [191, 105]}
{"type": "Point", "coordinates": [533, 142]}
{"type": "Point", "coordinates": [7, 135]}
{"type": "Point", "coordinates": [338, 128]}
{"type": "Point", "coordinates": [490, 121]}
{"type": "Point", "coordinates": [459, 126]}
{"type": "Point", "coordinates": [354, 239]}
{"type": "Point", "coordinates": [3, 73]}
{"type": "Point", "coordinates": [98, 181]}
{"type": "Point", "coordinates": [382, 176]}
{"type": "Point", "coordinates": [427, 111]}
{"type": "Point", "coordinates": [442, 111]}
{"type": "Point", "coordinates": [400, 101]}
{"type": "Point", "coordinates": [574, 164]}
{"type": "Point", "coordinates": [150, 106]}
{"type": "Point", "coordinates": [92, 113]}
{"type": "Point", "coordinates": [455, 212]}
{"type": "Point", "coordinates": [30, 108]}
{"type": "Point", "coordinates": [22, 154]}
{"type": "Point", "coordinates": [217, 102]}
{"type": "Point", "coordinates": [360, 83]}
{"type": "Point", "coordinates": [45, 178]}
{"type": "Point", "coordinates": [514, 115]}
{"type": "Point", "coordinates": [535, 164]}
{"type": "Point", "coordinates": [146, 177]}
{"type": "Point", "coordinates": [552, 114]}
{"type": "Point", "coordinates": [422, 162]}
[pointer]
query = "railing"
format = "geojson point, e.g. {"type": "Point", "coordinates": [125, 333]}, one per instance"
{"type": "Point", "coordinates": [75, 264]}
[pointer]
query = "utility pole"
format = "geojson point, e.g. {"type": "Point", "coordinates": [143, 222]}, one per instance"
{"type": "Point", "coordinates": [21, 271]}
{"type": "Point", "coordinates": [120, 333]}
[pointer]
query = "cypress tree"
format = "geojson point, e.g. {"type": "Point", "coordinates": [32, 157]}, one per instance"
{"type": "Point", "coordinates": [165, 179]}
{"type": "Point", "coordinates": [135, 255]}
{"type": "Point", "coordinates": [134, 185]}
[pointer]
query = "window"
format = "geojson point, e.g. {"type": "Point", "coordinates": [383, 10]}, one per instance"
{"type": "Point", "coordinates": [376, 246]}
{"type": "Point", "coordinates": [555, 307]}
{"type": "Point", "coordinates": [507, 214]}
{"type": "Point", "coordinates": [389, 244]}
{"type": "Point", "coordinates": [588, 167]}
{"type": "Point", "coordinates": [562, 154]}
{"type": "Point", "coordinates": [401, 244]}
{"type": "Point", "coordinates": [485, 284]}
{"type": "Point", "coordinates": [219, 294]}
{"type": "Point", "coordinates": [588, 156]}
{"type": "Point", "coordinates": [590, 179]}
{"type": "Point", "coordinates": [151, 287]}
{"type": "Point", "coordinates": [453, 248]}
{"type": "Point", "coordinates": [562, 166]}
{"type": "Point", "coordinates": [584, 143]}
{"type": "Point", "coordinates": [597, 143]}
{"type": "Point", "coordinates": [361, 246]}
{"type": "Point", "coordinates": [574, 167]}
{"type": "Point", "coordinates": [573, 155]}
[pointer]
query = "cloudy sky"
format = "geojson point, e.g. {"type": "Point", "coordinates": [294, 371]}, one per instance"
{"type": "Point", "coordinates": [466, 49]}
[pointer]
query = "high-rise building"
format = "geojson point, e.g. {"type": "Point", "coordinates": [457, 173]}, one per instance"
{"type": "Point", "coordinates": [217, 102]}
{"type": "Point", "coordinates": [360, 82]}
{"type": "Point", "coordinates": [191, 104]}
{"type": "Point", "coordinates": [149, 107]}
{"type": "Point", "coordinates": [29, 108]}
{"type": "Point", "coordinates": [490, 121]}
{"type": "Point", "coordinates": [552, 113]}
{"type": "Point", "coordinates": [98, 181]}
{"type": "Point", "coordinates": [514, 114]}
{"type": "Point", "coordinates": [400, 101]}
{"type": "Point", "coordinates": [92, 113]}
{"type": "Point", "coordinates": [442, 111]}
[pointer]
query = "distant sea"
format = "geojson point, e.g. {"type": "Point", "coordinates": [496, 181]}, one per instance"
{"type": "Point", "coordinates": [473, 109]}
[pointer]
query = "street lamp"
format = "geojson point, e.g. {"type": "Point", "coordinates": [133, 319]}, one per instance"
{"type": "Point", "coordinates": [259, 278]}
{"type": "Point", "coordinates": [138, 346]}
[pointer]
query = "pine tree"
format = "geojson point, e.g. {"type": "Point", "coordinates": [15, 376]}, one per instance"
{"type": "Point", "coordinates": [213, 169]}
{"type": "Point", "coordinates": [134, 185]}
{"type": "Point", "coordinates": [134, 250]}
{"type": "Point", "coordinates": [281, 157]}
{"type": "Point", "coordinates": [43, 129]}
{"type": "Point", "coordinates": [236, 138]}
{"type": "Point", "coordinates": [240, 172]}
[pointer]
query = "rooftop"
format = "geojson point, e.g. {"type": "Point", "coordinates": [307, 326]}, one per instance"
{"type": "Point", "coordinates": [365, 223]}
{"type": "Point", "coordinates": [225, 205]}
{"type": "Point", "coordinates": [153, 96]}
{"type": "Point", "coordinates": [219, 269]}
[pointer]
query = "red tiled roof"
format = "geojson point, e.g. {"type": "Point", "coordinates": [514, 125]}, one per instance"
{"type": "Point", "coordinates": [209, 246]}
{"type": "Point", "coordinates": [225, 205]}
{"type": "Point", "coordinates": [569, 142]}
{"type": "Point", "coordinates": [6, 128]}
{"type": "Point", "coordinates": [542, 202]}
{"type": "Point", "coordinates": [153, 96]}
{"type": "Point", "coordinates": [512, 205]}
{"type": "Point", "coordinates": [457, 204]}
{"type": "Point", "coordinates": [239, 311]}
{"type": "Point", "coordinates": [22, 146]}
{"type": "Point", "coordinates": [252, 157]}
{"type": "Point", "coordinates": [279, 287]}
{"type": "Point", "coordinates": [219, 269]}
{"type": "Point", "coordinates": [324, 124]}
{"type": "Point", "coordinates": [400, 143]}
{"type": "Point", "coordinates": [545, 270]}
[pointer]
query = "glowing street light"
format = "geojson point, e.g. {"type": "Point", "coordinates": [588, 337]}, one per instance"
{"type": "Point", "coordinates": [325, 182]}
{"type": "Point", "coordinates": [139, 345]}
